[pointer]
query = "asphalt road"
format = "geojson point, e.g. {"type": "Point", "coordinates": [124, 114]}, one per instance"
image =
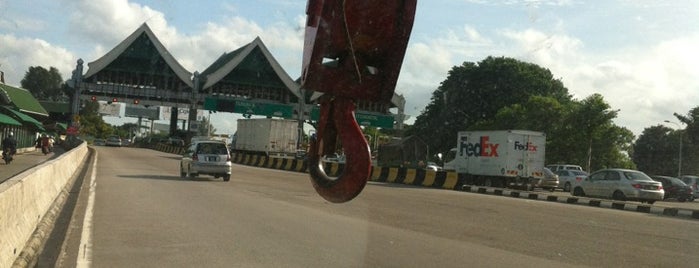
{"type": "Point", "coordinates": [145, 215]}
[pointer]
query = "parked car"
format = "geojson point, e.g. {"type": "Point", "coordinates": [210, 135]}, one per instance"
{"type": "Point", "coordinates": [113, 141]}
{"type": "Point", "coordinates": [208, 157]}
{"type": "Point", "coordinates": [692, 181]}
{"type": "Point", "coordinates": [620, 184]}
{"type": "Point", "coordinates": [550, 181]}
{"type": "Point", "coordinates": [567, 177]}
{"type": "Point", "coordinates": [558, 167]}
{"type": "Point", "coordinates": [99, 142]}
{"type": "Point", "coordinates": [675, 188]}
{"type": "Point", "coordinates": [433, 166]}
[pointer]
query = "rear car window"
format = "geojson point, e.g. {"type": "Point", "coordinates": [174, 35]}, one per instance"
{"type": "Point", "coordinates": [212, 148]}
{"type": "Point", "coordinates": [637, 176]}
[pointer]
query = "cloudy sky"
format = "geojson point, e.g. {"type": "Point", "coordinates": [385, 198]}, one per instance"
{"type": "Point", "coordinates": [641, 55]}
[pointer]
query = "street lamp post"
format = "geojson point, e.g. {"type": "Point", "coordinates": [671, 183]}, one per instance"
{"type": "Point", "coordinates": [679, 164]}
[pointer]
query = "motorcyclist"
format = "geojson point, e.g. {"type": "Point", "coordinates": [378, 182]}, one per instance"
{"type": "Point", "coordinates": [9, 147]}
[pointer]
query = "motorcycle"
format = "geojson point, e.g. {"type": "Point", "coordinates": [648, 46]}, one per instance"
{"type": "Point", "coordinates": [8, 156]}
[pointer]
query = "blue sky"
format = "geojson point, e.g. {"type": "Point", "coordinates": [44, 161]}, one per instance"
{"type": "Point", "coordinates": [640, 55]}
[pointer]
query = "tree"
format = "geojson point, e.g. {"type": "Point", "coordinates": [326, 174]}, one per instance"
{"type": "Point", "coordinates": [205, 128]}
{"type": "Point", "coordinates": [654, 152]}
{"type": "Point", "coordinates": [473, 94]}
{"type": "Point", "coordinates": [91, 122]}
{"type": "Point", "coordinates": [44, 84]}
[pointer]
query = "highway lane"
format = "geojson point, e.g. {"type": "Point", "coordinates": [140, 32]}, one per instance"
{"type": "Point", "coordinates": [146, 216]}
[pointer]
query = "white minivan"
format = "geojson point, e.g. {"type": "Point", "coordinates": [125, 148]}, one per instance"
{"type": "Point", "coordinates": [558, 167]}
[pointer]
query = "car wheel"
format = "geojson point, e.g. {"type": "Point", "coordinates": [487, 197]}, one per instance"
{"type": "Point", "coordinates": [227, 177]}
{"type": "Point", "coordinates": [190, 174]}
{"type": "Point", "coordinates": [578, 192]}
{"type": "Point", "coordinates": [650, 202]}
{"type": "Point", "coordinates": [566, 187]}
{"type": "Point", "coordinates": [682, 199]}
{"type": "Point", "coordinates": [618, 195]}
{"type": "Point", "coordinates": [488, 182]}
{"type": "Point", "coordinates": [182, 173]}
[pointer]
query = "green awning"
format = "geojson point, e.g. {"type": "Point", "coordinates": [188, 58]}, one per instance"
{"type": "Point", "coordinates": [6, 120]}
{"type": "Point", "coordinates": [27, 119]}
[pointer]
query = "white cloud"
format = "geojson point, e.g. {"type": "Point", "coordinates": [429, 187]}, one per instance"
{"type": "Point", "coordinates": [648, 84]}
{"type": "Point", "coordinates": [18, 54]}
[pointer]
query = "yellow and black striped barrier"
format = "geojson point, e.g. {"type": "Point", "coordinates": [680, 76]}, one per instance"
{"type": "Point", "coordinates": [408, 176]}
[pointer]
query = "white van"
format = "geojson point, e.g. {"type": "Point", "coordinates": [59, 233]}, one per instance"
{"type": "Point", "coordinates": [558, 167]}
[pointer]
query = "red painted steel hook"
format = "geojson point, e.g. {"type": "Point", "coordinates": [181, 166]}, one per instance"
{"type": "Point", "coordinates": [337, 117]}
{"type": "Point", "coordinates": [353, 49]}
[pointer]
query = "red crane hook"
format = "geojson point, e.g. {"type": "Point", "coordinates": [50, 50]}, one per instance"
{"type": "Point", "coordinates": [337, 117]}
{"type": "Point", "coordinates": [352, 50]}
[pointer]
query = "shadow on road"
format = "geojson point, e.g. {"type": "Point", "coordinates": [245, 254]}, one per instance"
{"type": "Point", "coordinates": [152, 177]}
{"type": "Point", "coordinates": [170, 178]}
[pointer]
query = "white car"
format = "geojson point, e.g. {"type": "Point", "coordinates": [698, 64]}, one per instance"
{"type": "Point", "coordinates": [208, 157]}
{"type": "Point", "coordinates": [692, 181]}
{"type": "Point", "coordinates": [620, 184]}
{"type": "Point", "coordinates": [568, 177]}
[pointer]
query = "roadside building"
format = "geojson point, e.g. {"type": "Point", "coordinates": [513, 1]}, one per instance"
{"type": "Point", "coordinates": [21, 114]}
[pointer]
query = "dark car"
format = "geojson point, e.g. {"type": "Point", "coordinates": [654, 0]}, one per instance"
{"type": "Point", "coordinates": [675, 188]}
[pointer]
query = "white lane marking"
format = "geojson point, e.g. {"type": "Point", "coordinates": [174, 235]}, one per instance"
{"type": "Point", "coordinates": [84, 253]}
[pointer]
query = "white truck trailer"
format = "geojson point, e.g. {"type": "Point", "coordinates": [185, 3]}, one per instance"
{"type": "Point", "coordinates": [499, 158]}
{"type": "Point", "coordinates": [267, 136]}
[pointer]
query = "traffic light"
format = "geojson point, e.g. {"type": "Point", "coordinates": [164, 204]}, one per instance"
{"type": "Point", "coordinates": [136, 101]}
{"type": "Point", "coordinates": [114, 100]}
{"type": "Point", "coordinates": [93, 98]}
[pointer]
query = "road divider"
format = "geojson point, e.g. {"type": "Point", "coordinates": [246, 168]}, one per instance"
{"type": "Point", "coordinates": [27, 198]}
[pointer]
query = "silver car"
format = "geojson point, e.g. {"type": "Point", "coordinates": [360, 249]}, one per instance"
{"type": "Point", "coordinates": [550, 181]}
{"type": "Point", "coordinates": [206, 157]}
{"type": "Point", "coordinates": [568, 177]}
{"type": "Point", "coordinates": [620, 184]}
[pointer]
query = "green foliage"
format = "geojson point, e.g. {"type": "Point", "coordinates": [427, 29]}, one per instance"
{"type": "Point", "coordinates": [654, 152]}
{"type": "Point", "coordinates": [205, 128]}
{"type": "Point", "coordinates": [473, 94]}
{"type": "Point", "coordinates": [657, 150]}
{"type": "Point", "coordinates": [44, 84]}
{"type": "Point", "coordinates": [91, 122]}
{"type": "Point", "coordinates": [503, 93]}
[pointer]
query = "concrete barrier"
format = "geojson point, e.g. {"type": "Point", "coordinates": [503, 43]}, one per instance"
{"type": "Point", "coordinates": [25, 199]}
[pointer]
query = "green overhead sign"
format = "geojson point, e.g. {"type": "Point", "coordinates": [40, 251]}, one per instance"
{"type": "Point", "coordinates": [363, 118]}
{"type": "Point", "coordinates": [249, 107]}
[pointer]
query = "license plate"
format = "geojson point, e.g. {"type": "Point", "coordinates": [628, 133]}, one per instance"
{"type": "Point", "coordinates": [212, 158]}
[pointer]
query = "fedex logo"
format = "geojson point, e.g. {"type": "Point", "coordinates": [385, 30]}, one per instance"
{"type": "Point", "coordinates": [525, 146]}
{"type": "Point", "coordinates": [480, 149]}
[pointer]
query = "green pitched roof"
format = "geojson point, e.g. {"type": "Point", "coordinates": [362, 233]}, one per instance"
{"type": "Point", "coordinates": [56, 107]}
{"type": "Point", "coordinates": [23, 100]}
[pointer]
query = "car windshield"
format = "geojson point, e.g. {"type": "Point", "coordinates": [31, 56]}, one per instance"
{"type": "Point", "coordinates": [677, 181]}
{"type": "Point", "coordinates": [637, 176]}
{"type": "Point", "coordinates": [353, 133]}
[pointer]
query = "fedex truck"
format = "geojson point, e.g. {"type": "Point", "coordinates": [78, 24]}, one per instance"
{"type": "Point", "coordinates": [499, 158]}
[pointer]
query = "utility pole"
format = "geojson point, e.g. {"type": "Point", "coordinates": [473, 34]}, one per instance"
{"type": "Point", "coordinates": [679, 160]}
